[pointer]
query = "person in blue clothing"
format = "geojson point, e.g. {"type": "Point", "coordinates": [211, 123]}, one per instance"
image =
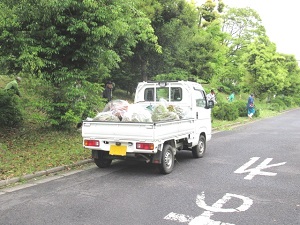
{"type": "Point", "coordinates": [250, 106]}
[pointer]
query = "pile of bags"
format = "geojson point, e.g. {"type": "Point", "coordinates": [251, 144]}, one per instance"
{"type": "Point", "coordinates": [121, 110]}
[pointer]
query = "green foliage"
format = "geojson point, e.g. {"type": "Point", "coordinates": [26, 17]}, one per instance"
{"type": "Point", "coordinates": [228, 88]}
{"type": "Point", "coordinates": [257, 113]}
{"type": "Point", "coordinates": [275, 107]}
{"type": "Point", "coordinates": [176, 75]}
{"type": "Point", "coordinates": [297, 101]}
{"type": "Point", "coordinates": [265, 74]}
{"type": "Point", "coordinates": [225, 111]}
{"type": "Point", "coordinates": [174, 25]}
{"type": "Point", "coordinates": [288, 101]}
{"type": "Point", "coordinates": [242, 25]}
{"type": "Point", "coordinates": [241, 107]}
{"type": "Point", "coordinates": [10, 112]}
{"type": "Point", "coordinates": [123, 95]}
{"type": "Point", "coordinates": [209, 12]}
{"type": "Point", "coordinates": [67, 106]}
{"type": "Point", "coordinates": [278, 104]}
{"type": "Point", "coordinates": [205, 54]}
{"type": "Point", "coordinates": [281, 103]}
{"type": "Point", "coordinates": [61, 43]}
{"type": "Point", "coordinates": [293, 79]}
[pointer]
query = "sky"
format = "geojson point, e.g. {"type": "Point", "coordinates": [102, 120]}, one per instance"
{"type": "Point", "coordinates": [281, 20]}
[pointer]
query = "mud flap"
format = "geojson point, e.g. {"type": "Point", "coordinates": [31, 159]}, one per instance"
{"type": "Point", "coordinates": [156, 159]}
{"type": "Point", "coordinates": [95, 154]}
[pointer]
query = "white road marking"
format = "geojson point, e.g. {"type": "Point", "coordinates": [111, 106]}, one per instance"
{"type": "Point", "coordinates": [178, 217]}
{"type": "Point", "coordinates": [257, 170]}
{"type": "Point", "coordinates": [204, 218]}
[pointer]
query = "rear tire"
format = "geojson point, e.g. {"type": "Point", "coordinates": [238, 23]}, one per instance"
{"type": "Point", "coordinates": [199, 150]}
{"type": "Point", "coordinates": [167, 160]}
{"type": "Point", "coordinates": [102, 161]}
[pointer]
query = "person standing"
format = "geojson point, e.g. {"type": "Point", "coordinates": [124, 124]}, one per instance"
{"type": "Point", "coordinates": [212, 96]}
{"type": "Point", "coordinates": [231, 97]}
{"type": "Point", "coordinates": [107, 93]}
{"type": "Point", "coordinates": [250, 106]}
{"type": "Point", "coordinates": [13, 86]}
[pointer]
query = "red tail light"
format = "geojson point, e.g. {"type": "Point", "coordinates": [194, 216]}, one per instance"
{"type": "Point", "coordinates": [94, 143]}
{"type": "Point", "coordinates": [145, 146]}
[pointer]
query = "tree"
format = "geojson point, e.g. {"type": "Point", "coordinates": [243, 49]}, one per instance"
{"type": "Point", "coordinates": [210, 11]}
{"type": "Point", "coordinates": [265, 74]}
{"type": "Point", "coordinates": [292, 88]}
{"type": "Point", "coordinates": [173, 23]}
{"type": "Point", "coordinates": [206, 53]}
{"type": "Point", "coordinates": [64, 43]}
{"type": "Point", "coordinates": [242, 26]}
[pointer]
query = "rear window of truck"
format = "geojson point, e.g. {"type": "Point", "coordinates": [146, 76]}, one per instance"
{"type": "Point", "coordinates": [174, 94]}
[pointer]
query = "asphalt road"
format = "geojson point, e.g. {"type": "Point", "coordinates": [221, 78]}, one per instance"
{"type": "Point", "coordinates": [250, 175]}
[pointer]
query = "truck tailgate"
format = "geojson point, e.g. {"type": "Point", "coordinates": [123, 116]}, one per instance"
{"type": "Point", "coordinates": [129, 131]}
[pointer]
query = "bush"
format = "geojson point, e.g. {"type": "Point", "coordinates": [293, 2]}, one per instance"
{"type": "Point", "coordinates": [289, 101]}
{"type": "Point", "coordinates": [278, 104]}
{"type": "Point", "coordinates": [10, 113]}
{"type": "Point", "coordinates": [257, 113]}
{"type": "Point", "coordinates": [275, 107]}
{"type": "Point", "coordinates": [65, 107]}
{"type": "Point", "coordinates": [284, 101]}
{"type": "Point", "coordinates": [297, 101]}
{"type": "Point", "coordinates": [225, 111]}
{"type": "Point", "coordinates": [241, 107]}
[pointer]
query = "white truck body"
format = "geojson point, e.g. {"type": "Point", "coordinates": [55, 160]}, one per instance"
{"type": "Point", "coordinates": [155, 142]}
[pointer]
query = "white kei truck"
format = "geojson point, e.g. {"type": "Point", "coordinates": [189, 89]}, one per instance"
{"type": "Point", "coordinates": [154, 142]}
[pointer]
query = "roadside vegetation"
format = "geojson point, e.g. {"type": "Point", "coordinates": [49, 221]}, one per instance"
{"type": "Point", "coordinates": [65, 51]}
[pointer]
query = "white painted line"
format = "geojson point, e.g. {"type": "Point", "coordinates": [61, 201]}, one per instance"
{"type": "Point", "coordinates": [217, 207]}
{"type": "Point", "coordinates": [178, 217]}
{"type": "Point", "coordinates": [204, 218]}
{"type": "Point", "coordinates": [257, 170]}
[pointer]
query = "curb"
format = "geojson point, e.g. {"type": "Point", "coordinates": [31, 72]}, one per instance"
{"type": "Point", "coordinates": [230, 125]}
{"type": "Point", "coordinates": [42, 173]}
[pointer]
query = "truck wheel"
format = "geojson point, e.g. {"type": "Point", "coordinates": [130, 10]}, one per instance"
{"type": "Point", "coordinates": [102, 162]}
{"type": "Point", "coordinates": [167, 160]}
{"type": "Point", "coordinates": [199, 150]}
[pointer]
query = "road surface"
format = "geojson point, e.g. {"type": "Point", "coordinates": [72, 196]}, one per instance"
{"type": "Point", "coordinates": [250, 175]}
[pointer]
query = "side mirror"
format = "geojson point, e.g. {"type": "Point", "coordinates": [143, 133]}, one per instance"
{"type": "Point", "coordinates": [210, 104]}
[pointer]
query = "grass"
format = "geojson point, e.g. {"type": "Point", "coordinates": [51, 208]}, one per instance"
{"type": "Point", "coordinates": [34, 147]}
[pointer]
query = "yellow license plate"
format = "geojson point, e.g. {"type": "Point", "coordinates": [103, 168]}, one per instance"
{"type": "Point", "coordinates": [117, 150]}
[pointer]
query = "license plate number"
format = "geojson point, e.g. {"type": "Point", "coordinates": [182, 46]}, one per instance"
{"type": "Point", "coordinates": [117, 150]}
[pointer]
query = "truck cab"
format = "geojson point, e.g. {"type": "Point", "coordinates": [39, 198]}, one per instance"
{"type": "Point", "coordinates": [190, 96]}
